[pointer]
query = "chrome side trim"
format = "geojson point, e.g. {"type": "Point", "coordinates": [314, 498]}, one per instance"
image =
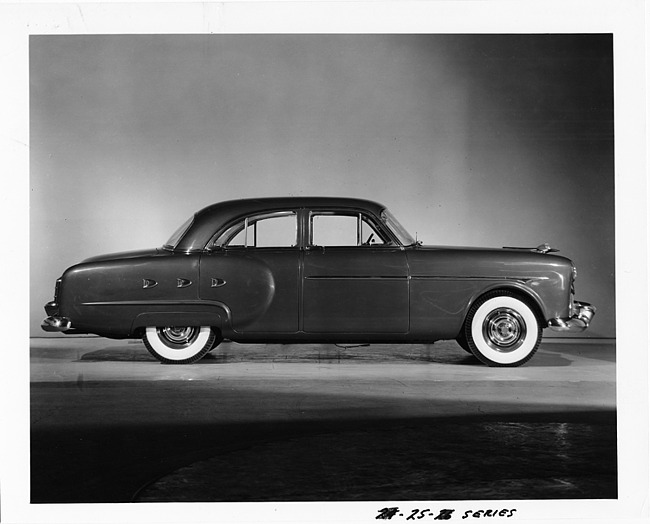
{"type": "Point", "coordinates": [354, 277]}
{"type": "Point", "coordinates": [56, 324]}
{"type": "Point", "coordinates": [520, 279]}
{"type": "Point", "coordinates": [582, 315]}
{"type": "Point", "coordinates": [183, 282]}
{"type": "Point", "coordinates": [193, 302]}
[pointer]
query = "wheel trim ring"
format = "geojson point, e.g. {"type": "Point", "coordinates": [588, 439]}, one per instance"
{"type": "Point", "coordinates": [504, 330]}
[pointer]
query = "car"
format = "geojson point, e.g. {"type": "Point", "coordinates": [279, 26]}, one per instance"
{"type": "Point", "coordinates": [317, 270]}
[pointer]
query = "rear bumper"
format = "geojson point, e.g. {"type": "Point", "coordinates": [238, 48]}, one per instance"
{"type": "Point", "coordinates": [56, 324]}
{"type": "Point", "coordinates": [577, 322]}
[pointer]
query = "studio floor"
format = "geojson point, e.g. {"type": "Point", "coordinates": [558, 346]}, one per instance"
{"type": "Point", "coordinates": [273, 422]}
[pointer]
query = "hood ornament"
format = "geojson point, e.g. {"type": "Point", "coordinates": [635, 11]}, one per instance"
{"type": "Point", "coordinates": [546, 248]}
{"type": "Point", "coordinates": [542, 248]}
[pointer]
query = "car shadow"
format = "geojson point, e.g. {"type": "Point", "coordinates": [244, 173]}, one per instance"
{"type": "Point", "coordinates": [542, 359]}
{"type": "Point", "coordinates": [229, 353]}
{"type": "Point", "coordinates": [117, 354]}
{"type": "Point", "coordinates": [605, 352]}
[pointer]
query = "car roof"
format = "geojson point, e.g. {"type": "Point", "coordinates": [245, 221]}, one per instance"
{"type": "Point", "coordinates": [211, 218]}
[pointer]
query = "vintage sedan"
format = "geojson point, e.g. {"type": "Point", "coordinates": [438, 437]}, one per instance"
{"type": "Point", "coordinates": [309, 270]}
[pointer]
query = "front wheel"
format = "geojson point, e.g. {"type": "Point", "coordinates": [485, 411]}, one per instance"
{"type": "Point", "coordinates": [502, 330]}
{"type": "Point", "coordinates": [179, 345]}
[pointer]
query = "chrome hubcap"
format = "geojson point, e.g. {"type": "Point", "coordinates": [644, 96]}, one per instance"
{"type": "Point", "coordinates": [178, 337]}
{"type": "Point", "coordinates": [504, 330]}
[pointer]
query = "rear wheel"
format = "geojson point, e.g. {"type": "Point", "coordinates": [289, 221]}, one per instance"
{"type": "Point", "coordinates": [179, 345]}
{"type": "Point", "coordinates": [502, 330]}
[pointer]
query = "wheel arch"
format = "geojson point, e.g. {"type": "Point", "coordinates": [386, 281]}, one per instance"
{"type": "Point", "coordinates": [520, 291]}
{"type": "Point", "coordinates": [214, 318]}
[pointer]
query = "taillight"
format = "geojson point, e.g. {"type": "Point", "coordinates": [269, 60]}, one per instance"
{"type": "Point", "coordinates": [574, 275]}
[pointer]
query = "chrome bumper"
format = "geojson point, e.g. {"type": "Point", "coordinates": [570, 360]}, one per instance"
{"type": "Point", "coordinates": [56, 324]}
{"type": "Point", "coordinates": [579, 320]}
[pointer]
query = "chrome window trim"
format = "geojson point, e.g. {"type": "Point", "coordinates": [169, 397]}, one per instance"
{"type": "Point", "coordinates": [396, 228]}
{"type": "Point", "coordinates": [388, 237]}
{"type": "Point", "coordinates": [232, 229]}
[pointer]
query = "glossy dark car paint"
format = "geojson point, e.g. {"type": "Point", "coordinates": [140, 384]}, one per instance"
{"type": "Point", "coordinates": [365, 293]}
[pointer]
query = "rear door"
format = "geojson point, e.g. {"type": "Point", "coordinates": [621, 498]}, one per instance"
{"type": "Point", "coordinates": [254, 270]}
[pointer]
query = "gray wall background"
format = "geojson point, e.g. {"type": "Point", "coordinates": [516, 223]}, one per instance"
{"type": "Point", "coordinates": [485, 140]}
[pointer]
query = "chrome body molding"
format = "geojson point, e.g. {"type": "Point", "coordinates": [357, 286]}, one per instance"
{"type": "Point", "coordinates": [522, 279]}
{"type": "Point", "coordinates": [577, 322]}
{"type": "Point", "coordinates": [355, 277]}
{"type": "Point", "coordinates": [191, 302]}
{"type": "Point", "coordinates": [56, 324]}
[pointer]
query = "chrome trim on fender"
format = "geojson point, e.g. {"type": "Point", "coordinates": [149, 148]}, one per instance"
{"type": "Point", "coordinates": [355, 277]}
{"type": "Point", "coordinates": [148, 283]}
{"type": "Point", "coordinates": [56, 324]}
{"type": "Point", "coordinates": [579, 320]}
{"type": "Point", "coordinates": [522, 280]}
{"type": "Point", "coordinates": [191, 302]}
{"type": "Point", "coordinates": [200, 302]}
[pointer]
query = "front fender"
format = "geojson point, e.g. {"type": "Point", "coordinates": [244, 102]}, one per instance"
{"type": "Point", "coordinates": [521, 288]}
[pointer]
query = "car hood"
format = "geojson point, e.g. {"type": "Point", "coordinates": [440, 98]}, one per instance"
{"type": "Point", "coordinates": [454, 261]}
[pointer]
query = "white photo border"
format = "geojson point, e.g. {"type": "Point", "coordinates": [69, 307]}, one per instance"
{"type": "Point", "coordinates": [623, 18]}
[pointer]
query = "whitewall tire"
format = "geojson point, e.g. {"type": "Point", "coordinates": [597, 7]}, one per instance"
{"type": "Point", "coordinates": [179, 345]}
{"type": "Point", "coordinates": [502, 330]}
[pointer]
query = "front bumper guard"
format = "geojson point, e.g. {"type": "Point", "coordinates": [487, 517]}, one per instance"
{"type": "Point", "coordinates": [576, 323]}
{"type": "Point", "coordinates": [56, 324]}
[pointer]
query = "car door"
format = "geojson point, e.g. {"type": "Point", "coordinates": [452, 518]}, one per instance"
{"type": "Point", "coordinates": [355, 277]}
{"type": "Point", "coordinates": [253, 269]}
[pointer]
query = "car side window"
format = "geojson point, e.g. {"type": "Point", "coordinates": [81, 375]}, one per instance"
{"type": "Point", "coordinates": [270, 230]}
{"type": "Point", "coordinates": [333, 229]}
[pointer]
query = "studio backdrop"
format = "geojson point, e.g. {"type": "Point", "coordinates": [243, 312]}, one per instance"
{"type": "Point", "coordinates": [478, 140]}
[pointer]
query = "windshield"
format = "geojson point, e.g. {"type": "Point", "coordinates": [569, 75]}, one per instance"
{"type": "Point", "coordinates": [402, 234]}
{"type": "Point", "coordinates": [178, 234]}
